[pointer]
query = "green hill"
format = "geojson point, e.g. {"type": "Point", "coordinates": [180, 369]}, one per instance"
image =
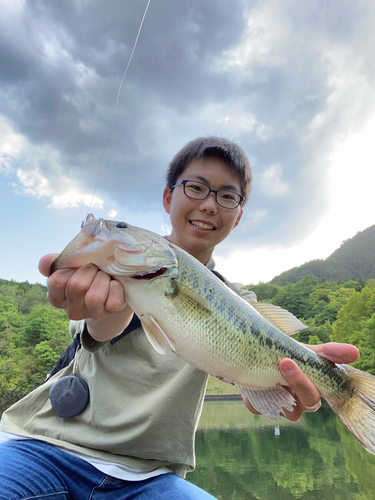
{"type": "Point", "coordinates": [354, 259]}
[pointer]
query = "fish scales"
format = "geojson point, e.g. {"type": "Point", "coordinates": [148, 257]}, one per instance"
{"type": "Point", "coordinates": [253, 342]}
{"type": "Point", "coordinates": [185, 308]}
{"type": "Point", "coordinates": [235, 351]}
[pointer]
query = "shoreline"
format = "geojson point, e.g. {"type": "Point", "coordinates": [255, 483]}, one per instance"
{"type": "Point", "coordinates": [223, 397]}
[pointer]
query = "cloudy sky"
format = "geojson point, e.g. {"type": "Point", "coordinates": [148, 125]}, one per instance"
{"type": "Point", "coordinates": [291, 82]}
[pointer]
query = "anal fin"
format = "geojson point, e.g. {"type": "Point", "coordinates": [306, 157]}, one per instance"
{"type": "Point", "coordinates": [269, 402]}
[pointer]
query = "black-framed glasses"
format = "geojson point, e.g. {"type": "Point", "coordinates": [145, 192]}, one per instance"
{"type": "Point", "coordinates": [197, 190]}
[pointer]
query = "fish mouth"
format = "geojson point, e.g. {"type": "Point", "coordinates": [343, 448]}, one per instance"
{"type": "Point", "coordinates": [150, 275]}
{"type": "Point", "coordinates": [116, 248]}
{"type": "Point", "coordinates": [204, 226]}
{"type": "Point", "coordinates": [83, 249]}
{"type": "Point", "coordinates": [86, 247]}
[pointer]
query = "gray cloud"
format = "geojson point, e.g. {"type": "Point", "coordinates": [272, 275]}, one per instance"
{"type": "Point", "coordinates": [285, 87]}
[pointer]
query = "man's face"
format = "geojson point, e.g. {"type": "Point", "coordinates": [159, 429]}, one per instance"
{"type": "Point", "coordinates": [199, 225]}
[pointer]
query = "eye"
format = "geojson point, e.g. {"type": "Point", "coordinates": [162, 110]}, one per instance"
{"type": "Point", "coordinates": [122, 225]}
{"type": "Point", "coordinates": [227, 195]}
{"type": "Point", "coordinates": [194, 187]}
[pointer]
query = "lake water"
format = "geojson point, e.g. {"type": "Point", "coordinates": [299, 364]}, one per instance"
{"type": "Point", "coordinates": [241, 456]}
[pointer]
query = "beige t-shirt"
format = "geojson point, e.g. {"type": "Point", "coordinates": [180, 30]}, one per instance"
{"type": "Point", "coordinates": [143, 412]}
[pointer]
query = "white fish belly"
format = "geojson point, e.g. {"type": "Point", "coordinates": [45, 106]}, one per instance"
{"type": "Point", "coordinates": [206, 343]}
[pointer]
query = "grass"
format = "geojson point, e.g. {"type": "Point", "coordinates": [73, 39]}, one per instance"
{"type": "Point", "coordinates": [215, 386]}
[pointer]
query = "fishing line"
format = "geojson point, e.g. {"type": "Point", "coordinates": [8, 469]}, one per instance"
{"type": "Point", "coordinates": [117, 101]}
{"type": "Point", "coordinates": [70, 395]}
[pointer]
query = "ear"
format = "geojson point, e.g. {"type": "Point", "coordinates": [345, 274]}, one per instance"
{"type": "Point", "coordinates": [167, 199]}
{"type": "Point", "coordinates": [238, 219]}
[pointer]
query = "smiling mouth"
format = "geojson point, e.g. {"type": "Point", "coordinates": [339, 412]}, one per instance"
{"type": "Point", "coordinates": [202, 225]}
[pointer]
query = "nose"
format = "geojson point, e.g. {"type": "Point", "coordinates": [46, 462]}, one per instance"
{"type": "Point", "coordinates": [209, 204]}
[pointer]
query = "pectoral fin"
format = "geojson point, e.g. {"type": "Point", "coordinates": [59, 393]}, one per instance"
{"type": "Point", "coordinates": [186, 299]}
{"type": "Point", "coordinates": [281, 318]}
{"type": "Point", "coordinates": [156, 336]}
{"type": "Point", "coordinates": [269, 402]}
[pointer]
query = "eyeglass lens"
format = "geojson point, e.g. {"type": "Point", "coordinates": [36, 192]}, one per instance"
{"type": "Point", "coordinates": [199, 191]}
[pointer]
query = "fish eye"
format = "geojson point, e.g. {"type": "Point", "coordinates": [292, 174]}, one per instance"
{"type": "Point", "coordinates": [122, 225]}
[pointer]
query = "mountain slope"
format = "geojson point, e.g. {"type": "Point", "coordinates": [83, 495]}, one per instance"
{"type": "Point", "coordinates": [354, 259]}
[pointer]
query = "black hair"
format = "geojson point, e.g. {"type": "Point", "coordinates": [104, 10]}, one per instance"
{"type": "Point", "coordinates": [232, 154]}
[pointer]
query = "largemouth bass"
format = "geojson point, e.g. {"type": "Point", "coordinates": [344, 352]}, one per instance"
{"type": "Point", "coordinates": [185, 308]}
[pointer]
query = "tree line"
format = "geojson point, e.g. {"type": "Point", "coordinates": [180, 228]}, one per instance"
{"type": "Point", "coordinates": [33, 334]}
{"type": "Point", "coordinates": [317, 458]}
{"type": "Point", "coordinates": [335, 311]}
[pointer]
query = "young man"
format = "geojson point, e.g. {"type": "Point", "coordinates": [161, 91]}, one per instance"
{"type": "Point", "coordinates": [135, 439]}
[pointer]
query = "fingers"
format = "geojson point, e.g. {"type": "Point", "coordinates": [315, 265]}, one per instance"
{"type": "Point", "coordinates": [304, 391]}
{"type": "Point", "coordinates": [85, 292]}
{"type": "Point", "coordinates": [104, 296]}
{"type": "Point", "coordinates": [306, 394]}
{"type": "Point", "coordinates": [56, 285]}
{"type": "Point", "coordinates": [249, 406]}
{"type": "Point", "coordinates": [337, 353]}
{"type": "Point", "coordinates": [45, 263]}
{"type": "Point", "coordinates": [115, 299]}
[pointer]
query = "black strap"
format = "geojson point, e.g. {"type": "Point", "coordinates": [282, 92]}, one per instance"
{"type": "Point", "coordinates": [65, 359]}
{"type": "Point", "coordinates": [224, 280]}
{"type": "Point", "coordinates": [133, 325]}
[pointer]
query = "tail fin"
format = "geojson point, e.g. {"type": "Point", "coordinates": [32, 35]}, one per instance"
{"type": "Point", "coordinates": [357, 412]}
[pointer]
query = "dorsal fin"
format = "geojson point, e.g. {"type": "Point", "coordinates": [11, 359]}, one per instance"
{"type": "Point", "coordinates": [281, 318]}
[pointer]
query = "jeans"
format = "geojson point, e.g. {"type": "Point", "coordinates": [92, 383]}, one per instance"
{"type": "Point", "coordinates": [32, 469]}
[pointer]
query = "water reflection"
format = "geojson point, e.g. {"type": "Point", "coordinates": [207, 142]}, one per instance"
{"type": "Point", "coordinates": [239, 457]}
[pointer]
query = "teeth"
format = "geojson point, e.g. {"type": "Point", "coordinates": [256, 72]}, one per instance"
{"type": "Point", "coordinates": [202, 225]}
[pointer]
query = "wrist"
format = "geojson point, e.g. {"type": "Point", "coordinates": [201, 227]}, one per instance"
{"type": "Point", "coordinates": [111, 326]}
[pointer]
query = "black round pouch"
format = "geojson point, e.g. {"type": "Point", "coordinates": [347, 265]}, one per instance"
{"type": "Point", "coordinates": [69, 396]}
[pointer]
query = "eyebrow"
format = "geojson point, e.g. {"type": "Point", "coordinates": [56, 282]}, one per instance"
{"type": "Point", "coordinates": [230, 187]}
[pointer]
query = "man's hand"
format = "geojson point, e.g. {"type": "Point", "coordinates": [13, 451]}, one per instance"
{"type": "Point", "coordinates": [304, 391]}
{"type": "Point", "coordinates": [88, 293]}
